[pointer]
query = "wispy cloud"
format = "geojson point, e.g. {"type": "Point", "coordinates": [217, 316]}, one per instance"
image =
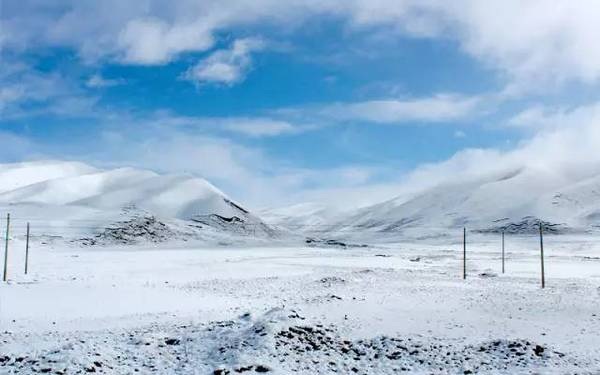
{"type": "Point", "coordinates": [564, 146]}
{"type": "Point", "coordinates": [17, 148]}
{"type": "Point", "coordinates": [541, 118]}
{"type": "Point", "coordinates": [438, 108]}
{"type": "Point", "coordinates": [259, 127]}
{"type": "Point", "coordinates": [27, 92]}
{"type": "Point", "coordinates": [442, 107]}
{"type": "Point", "coordinates": [460, 134]}
{"type": "Point", "coordinates": [97, 81]}
{"type": "Point", "coordinates": [254, 127]}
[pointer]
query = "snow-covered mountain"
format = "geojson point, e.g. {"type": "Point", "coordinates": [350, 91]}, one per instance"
{"type": "Point", "coordinates": [66, 196]}
{"type": "Point", "coordinates": [303, 215]}
{"type": "Point", "coordinates": [75, 200]}
{"type": "Point", "coordinates": [513, 200]}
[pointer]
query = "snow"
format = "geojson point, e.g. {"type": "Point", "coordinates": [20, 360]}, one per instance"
{"type": "Point", "coordinates": [172, 196]}
{"type": "Point", "coordinates": [134, 271]}
{"type": "Point", "coordinates": [17, 175]}
{"type": "Point", "coordinates": [304, 216]}
{"type": "Point", "coordinates": [69, 201]}
{"type": "Point", "coordinates": [114, 309]}
{"type": "Point", "coordinates": [512, 196]}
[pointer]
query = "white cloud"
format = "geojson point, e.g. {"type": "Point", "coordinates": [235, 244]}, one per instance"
{"type": "Point", "coordinates": [226, 66]}
{"type": "Point", "coordinates": [152, 41]}
{"type": "Point", "coordinates": [565, 146]}
{"type": "Point", "coordinates": [530, 118]}
{"type": "Point", "coordinates": [539, 118]}
{"type": "Point", "coordinates": [25, 91]}
{"type": "Point", "coordinates": [97, 81]}
{"type": "Point", "coordinates": [249, 175]}
{"type": "Point", "coordinates": [245, 173]}
{"type": "Point", "coordinates": [258, 127]}
{"type": "Point", "coordinates": [535, 43]}
{"type": "Point", "coordinates": [437, 108]}
{"type": "Point", "coordinates": [249, 126]}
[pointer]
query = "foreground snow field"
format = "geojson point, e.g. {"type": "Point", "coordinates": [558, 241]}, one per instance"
{"type": "Point", "coordinates": [383, 309]}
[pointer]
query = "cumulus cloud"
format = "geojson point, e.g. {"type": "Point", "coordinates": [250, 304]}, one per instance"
{"type": "Point", "coordinates": [532, 42]}
{"type": "Point", "coordinates": [153, 41]}
{"type": "Point", "coordinates": [227, 66]}
{"type": "Point", "coordinates": [535, 42]}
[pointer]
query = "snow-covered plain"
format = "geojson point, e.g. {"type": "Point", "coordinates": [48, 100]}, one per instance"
{"type": "Point", "coordinates": [282, 309]}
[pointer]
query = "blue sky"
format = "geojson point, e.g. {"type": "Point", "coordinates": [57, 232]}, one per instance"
{"type": "Point", "coordinates": [287, 101]}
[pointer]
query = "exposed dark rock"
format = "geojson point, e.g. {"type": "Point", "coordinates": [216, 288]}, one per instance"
{"type": "Point", "coordinates": [172, 341]}
{"type": "Point", "coordinates": [332, 280]}
{"type": "Point", "coordinates": [317, 242]}
{"type": "Point", "coordinates": [261, 368]}
{"type": "Point", "coordinates": [235, 224]}
{"type": "Point", "coordinates": [527, 225]}
{"type": "Point", "coordinates": [136, 229]}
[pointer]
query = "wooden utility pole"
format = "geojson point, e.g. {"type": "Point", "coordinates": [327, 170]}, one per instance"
{"type": "Point", "coordinates": [4, 276]}
{"type": "Point", "coordinates": [542, 254]}
{"type": "Point", "coordinates": [502, 251]}
{"type": "Point", "coordinates": [464, 253]}
{"type": "Point", "coordinates": [27, 250]}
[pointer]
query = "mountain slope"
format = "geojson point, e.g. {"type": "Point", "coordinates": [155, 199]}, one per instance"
{"type": "Point", "coordinates": [16, 175]}
{"type": "Point", "coordinates": [523, 195]}
{"type": "Point", "coordinates": [302, 216]}
{"type": "Point", "coordinates": [64, 196]}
